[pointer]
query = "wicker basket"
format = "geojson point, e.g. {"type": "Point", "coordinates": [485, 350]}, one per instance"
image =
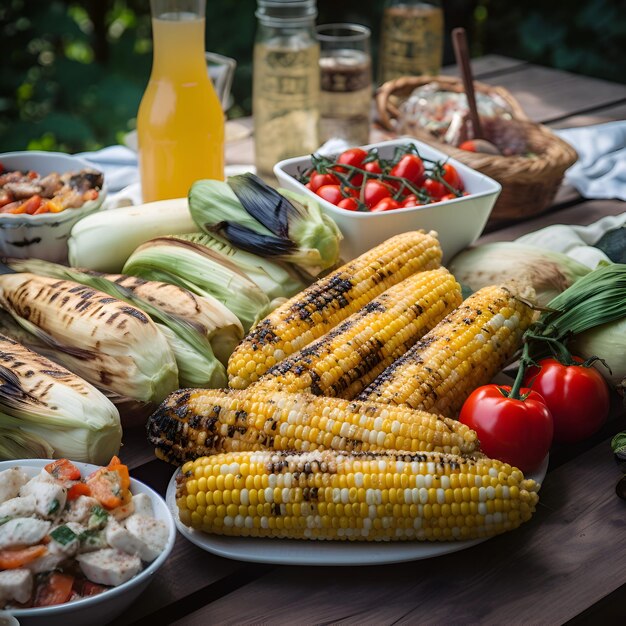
{"type": "Point", "coordinates": [529, 184]}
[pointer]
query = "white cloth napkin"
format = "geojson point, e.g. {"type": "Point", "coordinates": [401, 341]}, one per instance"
{"type": "Point", "coordinates": [121, 172]}
{"type": "Point", "coordinates": [600, 171]}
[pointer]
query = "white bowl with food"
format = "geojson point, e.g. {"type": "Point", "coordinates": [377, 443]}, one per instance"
{"type": "Point", "coordinates": [458, 221]}
{"type": "Point", "coordinates": [58, 545]}
{"type": "Point", "coordinates": [42, 196]}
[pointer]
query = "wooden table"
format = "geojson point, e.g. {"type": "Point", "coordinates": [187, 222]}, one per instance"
{"type": "Point", "coordinates": [567, 564]}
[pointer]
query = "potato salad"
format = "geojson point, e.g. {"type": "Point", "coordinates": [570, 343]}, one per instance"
{"type": "Point", "coordinates": [64, 536]}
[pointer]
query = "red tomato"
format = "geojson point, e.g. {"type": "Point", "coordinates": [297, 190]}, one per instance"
{"type": "Point", "coordinates": [375, 191]}
{"type": "Point", "coordinates": [577, 396]}
{"type": "Point", "coordinates": [386, 204]}
{"type": "Point", "coordinates": [449, 196]}
{"type": "Point", "coordinates": [518, 432]}
{"type": "Point", "coordinates": [332, 193]}
{"type": "Point", "coordinates": [318, 180]}
{"type": "Point", "coordinates": [410, 200]}
{"type": "Point", "coordinates": [451, 176]}
{"type": "Point", "coordinates": [353, 156]}
{"type": "Point", "coordinates": [434, 188]}
{"type": "Point", "coordinates": [469, 145]}
{"type": "Point", "coordinates": [350, 204]}
{"type": "Point", "coordinates": [373, 167]}
{"type": "Point", "coordinates": [350, 191]}
{"type": "Point", "coordinates": [411, 167]}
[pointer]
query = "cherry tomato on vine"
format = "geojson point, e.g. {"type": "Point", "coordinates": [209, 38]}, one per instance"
{"type": "Point", "coordinates": [449, 196]}
{"type": "Point", "coordinates": [386, 204]}
{"type": "Point", "coordinates": [411, 167]}
{"type": "Point", "coordinates": [350, 191]}
{"type": "Point", "coordinates": [375, 191]}
{"type": "Point", "coordinates": [373, 167]}
{"type": "Point", "coordinates": [434, 188]}
{"type": "Point", "coordinates": [516, 431]}
{"type": "Point", "coordinates": [350, 204]}
{"type": "Point", "coordinates": [451, 176]}
{"type": "Point", "coordinates": [577, 396]}
{"type": "Point", "coordinates": [332, 193]}
{"type": "Point", "coordinates": [353, 156]}
{"type": "Point", "coordinates": [410, 200]}
{"type": "Point", "coordinates": [318, 180]}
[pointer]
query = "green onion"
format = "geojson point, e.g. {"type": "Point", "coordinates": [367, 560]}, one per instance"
{"type": "Point", "coordinates": [253, 216]}
{"type": "Point", "coordinates": [63, 535]}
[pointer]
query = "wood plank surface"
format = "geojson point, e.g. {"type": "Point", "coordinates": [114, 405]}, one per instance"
{"type": "Point", "coordinates": [548, 570]}
{"type": "Point", "coordinates": [582, 213]}
{"type": "Point", "coordinates": [488, 65]}
{"type": "Point", "coordinates": [547, 94]}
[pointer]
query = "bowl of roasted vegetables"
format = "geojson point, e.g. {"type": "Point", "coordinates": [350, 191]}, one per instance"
{"type": "Point", "coordinates": [42, 196]}
{"type": "Point", "coordinates": [78, 542]}
{"type": "Point", "coordinates": [377, 191]}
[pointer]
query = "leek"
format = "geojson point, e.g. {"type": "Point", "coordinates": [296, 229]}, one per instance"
{"type": "Point", "coordinates": [548, 273]}
{"type": "Point", "coordinates": [258, 219]}
{"type": "Point", "coordinates": [595, 304]}
{"type": "Point", "coordinates": [202, 271]}
{"type": "Point", "coordinates": [274, 279]}
{"type": "Point", "coordinates": [46, 411]}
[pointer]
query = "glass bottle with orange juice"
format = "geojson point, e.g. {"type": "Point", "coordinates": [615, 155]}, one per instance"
{"type": "Point", "coordinates": [180, 124]}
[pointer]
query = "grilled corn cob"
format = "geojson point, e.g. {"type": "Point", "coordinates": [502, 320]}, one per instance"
{"type": "Point", "coordinates": [109, 343]}
{"type": "Point", "coordinates": [329, 301]}
{"type": "Point", "coordinates": [357, 350]}
{"type": "Point", "coordinates": [385, 496]}
{"type": "Point", "coordinates": [462, 352]}
{"type": "Point", "coordinates": [196, 422]}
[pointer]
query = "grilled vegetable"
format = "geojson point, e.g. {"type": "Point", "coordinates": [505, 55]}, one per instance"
{"type": "Point", "coordinates": [385, 496]}
{"type": "Point", "coordinates": [462, 352]}
{"type": "Point", "coordinates": [196, 422]}
{"type": "Point", "coordinates": [274, 279]}
{"type": "Point", "coordinates": [349, 357]}
{"type": "Point", "coordinates": [47, 412]}
{"type": "Point", "coordinates": [202, 271]}
{"type": "Point", "coordinates": [109, 343]}
{"type": "Point", "coordinates": [548, 273]}
{"type": "Point", "coordinates": [196, 327]}
{"type": "Point", "coordinates": [329, 301]}
{"type": "Point", "coordinates": [254, 217]}
{"type": "Point", "coordinates": [104, 240]}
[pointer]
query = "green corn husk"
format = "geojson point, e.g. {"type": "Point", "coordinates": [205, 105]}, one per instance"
{"type": "Point", "coordinates": [256, 218]}
{"type": "Point", "coordinates": [274, 279]}
{"type": "Point", "coordinates": [202, 271]}
{"type": "Point", "coordinates": [192, 338]}
{"type": "Point", "coordinates": [48, 412]}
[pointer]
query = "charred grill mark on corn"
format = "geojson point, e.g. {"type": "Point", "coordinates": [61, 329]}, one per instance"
{"type": "Point", "coordinates": [350, 356]}
{"type": "Point", "coordinates": [464, 351]}
{"type": "Point", "coordinates": [329, 495]}
{"type": "Point", "coordinates": [328, 302]}
{"type": "Point", "coordinates": [195, 422]}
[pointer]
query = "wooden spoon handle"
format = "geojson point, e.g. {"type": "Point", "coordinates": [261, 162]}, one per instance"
{"type": "Point", "coordinates": [461, 52]}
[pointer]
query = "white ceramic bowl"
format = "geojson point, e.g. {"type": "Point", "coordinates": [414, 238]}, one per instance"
{"type": "Point", "coordinates": [458, 222]}
{"type": "Point", "coordinates": [43, 236]}
{"type": "Point", "coordinates": [103, 608]}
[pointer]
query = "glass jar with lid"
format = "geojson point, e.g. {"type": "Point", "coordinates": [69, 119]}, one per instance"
{"type": "Point", "coordinates": [286, 82]}
{"type": "Point", "coordinates": [411, 39]}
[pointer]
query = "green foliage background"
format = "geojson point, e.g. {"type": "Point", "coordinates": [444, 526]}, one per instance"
{"type": "Point", "coordinates": [72, 72]}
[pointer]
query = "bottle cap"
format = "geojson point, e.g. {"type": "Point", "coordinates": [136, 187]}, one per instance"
{"type": "Point", "coordinates": [282, 11]}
